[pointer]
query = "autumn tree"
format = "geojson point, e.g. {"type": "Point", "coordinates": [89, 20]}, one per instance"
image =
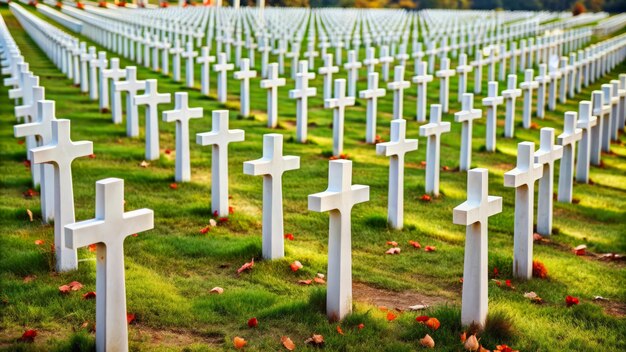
{"type": "Point", "coordinates": [578, 8]}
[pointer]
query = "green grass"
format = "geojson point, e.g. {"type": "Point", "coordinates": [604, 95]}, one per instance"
{"type": "Point", "coordinates": [170, 270]}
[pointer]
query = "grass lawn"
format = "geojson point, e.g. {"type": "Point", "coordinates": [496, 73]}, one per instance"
{"type": "Point", "coordinates": [171, 269]}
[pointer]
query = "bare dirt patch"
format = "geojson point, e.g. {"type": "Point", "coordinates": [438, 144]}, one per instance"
{"type": "Point", "coordinates": [613, 308]}
{"type": "Point", "coordinates": [173, 338]}
{"type": "Point", "coordinates": [392, 299]}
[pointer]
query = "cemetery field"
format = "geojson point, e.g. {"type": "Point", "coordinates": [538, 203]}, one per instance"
{"type": "Point", "coordinates": [171, 269]}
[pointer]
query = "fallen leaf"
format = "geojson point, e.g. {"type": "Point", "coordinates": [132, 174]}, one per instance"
{"type": "Point", "coordinates": [319, 280]}
{"type": "Point", "coordinates": [315, 340]}
{"type": "Point", "coordinates": [463, 337]}
{"type": "Point", "coordinates": [89, 295]}
{"type": "Point", "coordinates": [395, 250]}
{"type": "Point", "coordinates": [571, 301]}
{"type": "Point", "coordinates": [212, 223]}
{"type": "Point", "coordinates": [231, 210]}
{"type": "Point", "coordinates": [339, 330]}
{"type": "Point", "coordinates": [295, 266]}
{"type": "Point", "coordinates": [391, 316]}
{"type": "Point", "coordinates": [289, 345]}
{"type": "Point", "coordinates": [92, 156]}
{"type": "Point", "coordinates": [426, 198]}
{"type": "Point", "coordinates": [130, 318]}
{"type": "Point", "coordinates": [64, 289]}
{"type": "Point", "coordinates": [422, 163]}
{"type": "Point", "coordinates": [539, 270]}
{"type": "Point", "coordinates": [496, 272]}
{"type": "Point", "coordinates": [289, 236]}
{"type": "Point", "coordinates": [471, 343]}
{"type": "Point", "coordinates": [430, 248]}
{"type": "Point", "coordinates": [305, 282]}
{"type": "Point", "coordinates": [392, 243]}
{"type": "Point", "coordinates": [28, 336]}
{"type": "Point", "coordinates": [217, 290]}
{"type": "Point", "coordinates": [482, 349]}
{"type": "Point", "coordinates": [253, 322]}
{"type": "Point", "coordinates": [580, 250]}
{"type": "Point", "coordinates": [320, 275]}
{"type": "Point", "coordinates": [427, 341]}
{"type": "Point", "coordinates": [173, 185]}
{"type": "Point", "coordinates": [144, 164]}
{"type": "Point", "coordinates": [239, 342]}
{"type": "Point", "coordinates": [432, 323]}
{"type": "Point", "coordinates": [205, 229]}
{"type": "Point", "coordinates": [222, 220]}
{"type": "Point", "coordinates": [418, 307]}
{"type": "Point", "coordinates": [135, 234]}
{"type": "Point", "coordinates": [215, 214]}
{"type": "Point", "coordinates": [93, 247]}
{"type": "Point", "coordinates": [422, 318]}
{"type": "Point", "coordinates": [75, 285]}
{"type": "Point", "coordinates": [246, 266]}
{"type": "Point", "coordinates": [361, 326]}
{"type": "Point", "coordinates": [29, 278]}
{"type": "Point", "coordinates": [167, 151]}
{"type": "Point", "coordinates": [504, 348]}
{"type": "Point", "coordinates": [415, 244]}
{"type": "Point", "coordinates": [39, 242]}
{"type": "Point", "coordinates": [445, 168]}
{"type": "Point", "coordinates": [30, 215]}
{"type": "Point", "coordinates": [508, 283]}
{"type": "Point", "coordinates": [537, 237]}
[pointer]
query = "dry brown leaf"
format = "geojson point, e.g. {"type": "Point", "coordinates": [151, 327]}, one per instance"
{"type": "Point", "coordinates": [427, 341]}
{"type": "Point", "coordinates": [315, 340]}
{"type": "Point", "coordinates": [289, 345]}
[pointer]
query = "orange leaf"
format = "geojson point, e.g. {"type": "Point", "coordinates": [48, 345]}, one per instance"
{"type": "Point", "coordinates": [75, 285]}
{"type": "Point", "coordinates": [39, 242]}
{"type": "Point", "coordinates": [246, 266]}
{"type": "Point", "coordinates": [463, 337]}
{"type": "Point", "coordinates": [205, 229]}
{"type": "Point", "coordinates": [391, 316]}
{"type": "Point", "coordinates": [239, 342]}
{"type": "Point", "coordinates": [319, 280]}
{"type": "Point", "coordinates": [392, 243]}
{"type": "Point", "coordinates": [130, 318]}
{"type": "Point", "coordinates": [430, 248]}
{"type": "Point", "coordinates": [289, 236]}
{"type": "Point", "coordinates": [173, 185]}
{"type": "Point", "coordinates": [426, 198]}
{"type": "Point", "coordinates": [64, 289]}
{"type": "Point", "coordinates": [339, 330]}
{"type": "Point", "coordinates": [92, 247]}
{"type": "Point", "coordinates": [315, 340]}
{"type": "Point", "coordinates": [432, 323]}
{"type": "Point", "coordinates": [415, 244]}
{"type": "Point", "coordinates": [289, 345]}
{"type": "Point", "coordinates": [305, 282]}
{"type": "Point", "coordinates": [295, 266]}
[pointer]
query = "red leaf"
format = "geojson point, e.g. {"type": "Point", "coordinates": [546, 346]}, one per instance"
{"type": "Point", "coordinates": [173, 185]}
{"type": "Point", "coordinates": [92, 247]}
{"type": "Point", "coordinates": [246, 266]}
{"type": "Point", "coordinates": [205, 229]}
{"type": "Point", "coordinates": [215, 214]}
{"type": "Point", "coordinates": [130, 318]}
{"type": "Point", "coordinates": [339, 330]}
{"type": "Point", "coordinates": [571, 301]}
{"type": "Point", "coordinates": [361, 326]}
{"type": "Point", "coordinates": [415, 244]}
{"type": "Point", "coordinates": [426, 198]}
{"type": "Point", "coordinates": [28, 336]}
{"type": "Point", "coordinates": [496, 272]}
{"type": "Point", "coordinates": [75, 285]}
{"type": "Point", "coordinates": [167, 151]}
{"type": "Point", "coordinates": [27, 163]}
{"type": "Point", "coordinates": [64, 289]}
{"type": "Point", "coordinates": [430, 248]}
{"type": "Point", "coordinates": [289, 237]}
{"type": "Point", "coordinates": [231, 210]}
{"type": "Point", "coordinates": [222, 220]}
{"type": "Point", "coordinates": [89, 295]}
{"type": "Point", "coordinates": [92, 156]}
{"type": "Point", "coordinates": [253, 322]}
{"type": "Point", "coordinates": [422, 318]}
{"type": "Point", "coordinates": [295, 266]}
{"type": "Point", "coordinates": [391, 316]}
{"type": "Point", "coordinates": [508, 283]}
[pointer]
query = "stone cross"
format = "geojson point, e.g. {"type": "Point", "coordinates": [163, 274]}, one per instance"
{"type": "Point", "coordinates": [352, 67]}
{"type": "Point", "coordinates": [219, 138]}
{"type": "Point", "coordinates": [85, 58]}
{"type": "Point", "coordinates": [271, 84]}
{"type": "Point", "coordinates": [339, 199]}
{"type": "Point", "coordinates": [568, 140]}
{"type": "Point", "coordinates": [370, 59]}
{"type": "Point", "coordinates": [523, 178]}
{"type": "Point", "coordinates": [396, 149]}
{"type": "Point", "coordinates": [131, 86]}
{"type": "Point", "coordinates": [28, 112]}
{"type": "Point", "coordinates": [398, 86]}
{"type": "Point", "coordinates": [491, 102]}
{"type": "Point", "coordinates": [385, 60]}
{"type": "Point", "coordinates": [478, 63]}
{"type": "Point", "coordinates": [244, 75]}
{"type": "Point", "coordinates": [94, 64]}
{"type": "Point", "coordinates": [555, 76]}
{"type": "Point", "coordinates": [294, 55]}
{"type": "Point", "coordinates": [463, 69]}
{"type": "Point", "coordinates": [371, 94]}
{"type": "Point", "coordinates": [272, 166]}
{"type": "Point", "coordinates": [566, 71]}
{"type": "Point", "coordinates": [421, 79]}
{"type": "Point", "coordinates": [152, 98]}
{"type": "Point", "coordinates": [466, 117]}
{"type": "Point", "coordinates": [165, 58]}
{"type": "Point", "coordinates": [176, 51]}
{"type": "Point", "coordinates": [222, 67]}
{"type": "Point", "coordinates": [103, 87]}
{"type": "Point", "coordinates": [311, 54]}
{"type": "Point", "coordinates": [444, 75]}
{"type": "Point", "coordinates": [618, 109]}
{"type": "Point", "coordinates": [181, 115]}
{"type": "Point", "coordinates": [327, 71]}
{"type": "Point", "coordinates": [338, 104]}
{"type": "Point", "coordinates": [42, 127]}
{"type": "Point", "coordinates": [601, 111]}
{"type": "Point", "coordinates": [510, 94]}
{"type": "Point", "coordinates": [543, 79]}
{"type": "Point", "coordinates": [527, 88]}
{"type": "Point", "coordinates": [114, 73]}
{"type": "Point", "coordinates": [205, 60]}
{"type": "Point", "coordinates": [547, 154]}
{"type": "Point", "coordinates": [474, 214]}
{"type": "Point", "coordinates": [610, 102]}
{"type": "Point", "coordinates": [60, 153]}
{"type": "Point", "coordinates": [585, 122]}
{"type": "Point", "coordinates": [108, 230]}
{"type": "Point", "coordinates": [265, 49]}
{"type": "Point", "coordinates": [622, 98]}
{"type": "Point", "coordinates": [433, 131]}
{"type": "Point", "coordinates": [301, 93]}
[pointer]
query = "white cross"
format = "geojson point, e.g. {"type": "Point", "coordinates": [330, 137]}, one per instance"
{"type": "Point", "coordinates": [301, 94]}
{"type": "Point", "coordinates": [566, 71]}
{"type": "Point", "coordinates": [42, 127]}
{"type": "Point", "coordinates": [611, 97]}
{"type": "Point", "coordinates": [474, 214]}
{"type": "Point", "coordinates": [421, 79]}
{"type": "Point", "coordinates": [402, 56]}
{"type": "Point", "coordinates": [463, 69]}
{"type": "Point", "coordinates": [176, 51]}
{"type": "Point", "coordinates": [478, 63]}
{"type": "Point", "coordinates": [222, 67]}
{"type": "Point", "coordinates": [467, 116]}
{"type": "Point", "coordinates": [527, 88]}
{"type": "Point", "coordinates": [272, 166]}
{"type": "Point", "coordinates": [385, 60]}
{"type": "Point", "coordinates": [85, 58]}
{"type": "Point", "coordinates": [338, 104]}
{"type": "Point", "coordinates": [219, 138]}
{"type": "Point", "coordinates": [339, 199]}
{"type": "Point", "coordinates": [108, 230]}
{"type": "Point", "coordinates": [205, 60]}
{"type": "Point", "coordinates": [602, 111]}
{"type": "Point", "coordinates": [398, 86]}
{"type": "Point", "coordinates": [244, 76]}
{"type": "Point", "coordinates": [60, 153]}
{"type": "Point", "coordinates": [311, 54]}
{"type": "Point", "coordinates": [585, 122]}
{"type": "Point", "coordinates": [444, 75]}
{"type": "Point", "coordinates": [265, 49]}
{"type": "Point", "coordinates": [103, 87]}
{"type": "Point", "coordinates": [181, 115]}
{"type": "Point", "coordinates": [396, 149]}
{"type": "Point", "coordinates": [131, 86]}
{"type": "Point", "coordinates": [509, 95]}
{"type": "Point", "coordinates": [327, 71]}
{"type": "Point", "coordinates": [568, 140]}
{"type": "Point", "coordinates": [547, 154]}
{"type": "Point", "coordinates": [543, 79]}
{"type": "Point", "coordinates": [189, 54]}
{"type": "Point", "coordinates": [115, 73]}
{"type": "Point", "coordinates": [523, 178]}
{"type": "Point", "coordinates": [371, 94]}
{"type": "Point", "coordinates": [370, 59]}
{"type": "Point", "coordinates": [555, 75]}
{"type": "Point", "coordinates": [271, 84]}
{"type": "Point", "coordinates": [433, 131]}
{"type": "Point", "coordinates": [151, 98]}
{"type": "Point", "coordinates": [352, 67]}
{"type": "Point", "coordinates": [281, 50]}
{"type": "Point", "coordinates": [491, 102]}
